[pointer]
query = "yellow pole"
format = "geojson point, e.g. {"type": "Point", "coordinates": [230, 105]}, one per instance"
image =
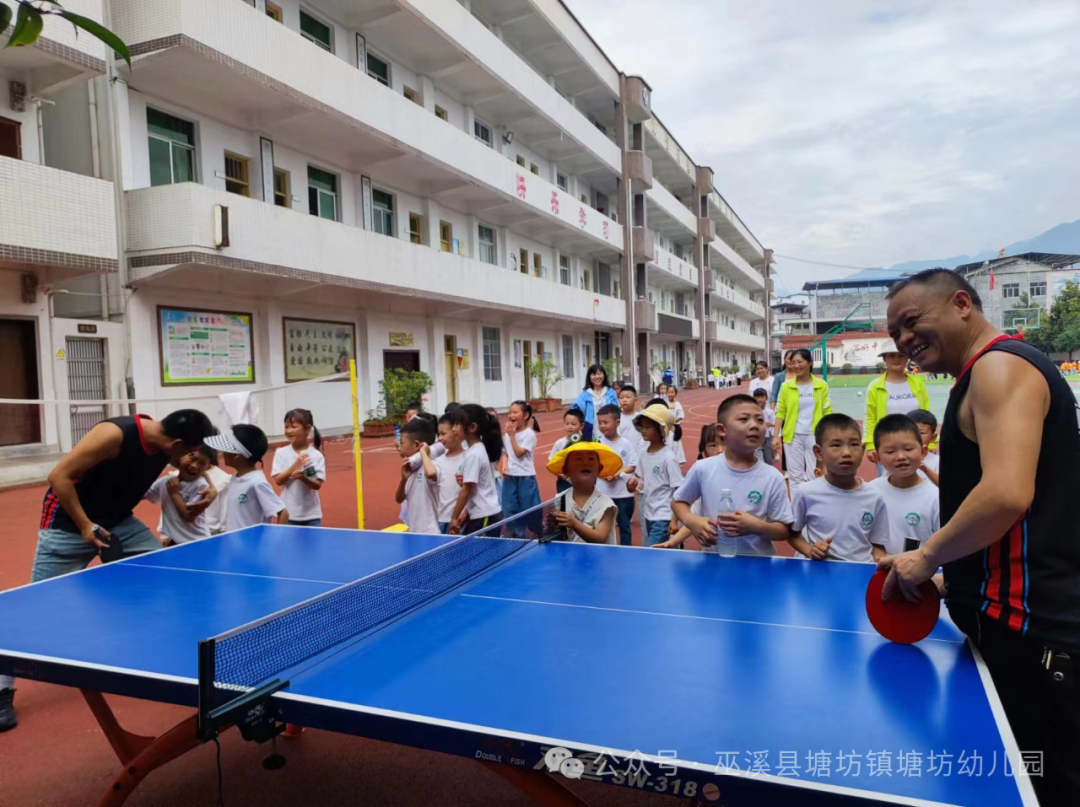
{"type": "Point", "coordinates": [356, 446]}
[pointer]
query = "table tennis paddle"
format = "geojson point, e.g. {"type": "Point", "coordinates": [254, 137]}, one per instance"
{"type": "Point", "coordinates": [898, 619]}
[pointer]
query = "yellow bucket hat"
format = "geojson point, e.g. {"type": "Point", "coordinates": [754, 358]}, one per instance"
{"type": "Point", "coordinates": [659, 414]}
{"type": "Point", "coordinates": [610, 462]}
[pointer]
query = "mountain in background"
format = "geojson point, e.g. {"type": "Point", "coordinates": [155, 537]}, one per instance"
{"type": "Point", "coordinates": [1063, 239]}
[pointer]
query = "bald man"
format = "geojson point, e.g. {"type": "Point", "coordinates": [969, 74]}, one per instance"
{"type": "Point", "coordinates": [1010, 537]}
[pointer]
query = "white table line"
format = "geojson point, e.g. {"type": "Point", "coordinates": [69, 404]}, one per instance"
{"type": "Point", "coordinates": [692, 616]}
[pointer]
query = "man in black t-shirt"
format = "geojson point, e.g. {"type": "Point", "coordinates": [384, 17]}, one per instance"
{"type": "Point", "coordinates": [92, 493]}
{"type": "Point", "coordinates": [1009, 542]}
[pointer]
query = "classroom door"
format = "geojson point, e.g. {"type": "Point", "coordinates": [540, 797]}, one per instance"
{"type": "Point", "coordinates": [19, 424]}
{"type": "Point", "coordinates": [450, 351]}
{"type": "Point", "coordinates": [526, 346]}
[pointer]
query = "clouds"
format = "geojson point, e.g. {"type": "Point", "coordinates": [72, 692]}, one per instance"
{"type": "Point", "coordinates": [867, 133]}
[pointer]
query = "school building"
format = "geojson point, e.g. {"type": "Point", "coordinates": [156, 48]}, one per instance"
{"type": "Point", "coordinates": [275, 188]}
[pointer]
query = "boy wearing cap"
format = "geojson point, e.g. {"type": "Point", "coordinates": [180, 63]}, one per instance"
{"type": "Point", "coordinates": [657, 474]}
{"type": "Point", "coordinates": [897, 392]}
{"type": "Point", "coordinates": [251, 499]}
{"type": "Point", "coordinates": [588, 516]}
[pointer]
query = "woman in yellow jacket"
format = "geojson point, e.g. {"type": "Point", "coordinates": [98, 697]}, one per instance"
{"type": "Point", "coordinates": [803, 401]}
{"type": "Point", "coordinates": [897, 392]}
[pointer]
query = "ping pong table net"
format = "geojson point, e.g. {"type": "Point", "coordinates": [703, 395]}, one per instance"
{"type": "Point", "coordinates": [257, 655]}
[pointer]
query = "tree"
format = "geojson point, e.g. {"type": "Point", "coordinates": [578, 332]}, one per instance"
{"type": "Point", "coordinates": [30, 19]}
{"type": "Point", "coordinates": [1064, 317]}
{"type": "Point", "coordinates": [1068, 340]}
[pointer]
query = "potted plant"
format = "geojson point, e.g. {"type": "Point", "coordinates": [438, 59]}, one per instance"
{"type": "Point", "coordinates": [846, 370]}
{"type": "Point", "coordinates": [400, 388]}
{"type": "Point", "coordinates": [377, 424]}
{"type": "Point", "coordinates": [547, 376]}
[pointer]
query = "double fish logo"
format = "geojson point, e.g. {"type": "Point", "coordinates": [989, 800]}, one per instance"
{"type": "Point", "coordinates": [242, 498]}
{"type": "Point", "coordinates": [913, 519]}
{"type": "Point", "coordinates": [754, 497]}
{"type": "Point", "coordinates": [867, 520]}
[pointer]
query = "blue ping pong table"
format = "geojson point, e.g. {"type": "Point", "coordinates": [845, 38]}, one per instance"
{"type": "Point", "coordinates": [729, 681]}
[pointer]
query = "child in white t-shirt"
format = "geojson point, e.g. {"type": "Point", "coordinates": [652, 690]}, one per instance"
{"type": "Point", "coordinates": [573, 423]}
{"type": "Point", "coordinates": [251, 499]}
{"type": "Point", "coordinates": [762, 513]}
{"type": "Point", "coordinates": [451, 464]}
{"type": "Point", "coordinates": [927, 424]}
{"type": "Point", "coordinates": [520, 492]}
{"type": "Point", "coordinates": [587, 515]}
{"type": "Point", "coordinates": [709, 445]}
{"type": "Point", "coordinates": [911, 501]}
{"type": "Point", "coordinates": [477, 506]}
{"type": "Point", "coordinates": [420, 489]}
{"type": "Point", "coordinates": [838, 516]}
{"type": "Point", "coordinates": [765, 451]}
{"type": "Point", "coordinates": [179, 525]}
{"type": "Point", "coordinates": [608, 419]}
{"type": "Point", "coordinates": [299, 469]}
{"type": "Point", "coordinates": [657, 474]}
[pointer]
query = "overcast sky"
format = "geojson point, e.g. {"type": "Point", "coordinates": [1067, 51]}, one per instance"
{"type": "Point", "coordinates": [866, 133]}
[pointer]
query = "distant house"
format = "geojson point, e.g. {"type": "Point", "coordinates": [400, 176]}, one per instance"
{"type": "Point", "coordinates": [1018, 290]}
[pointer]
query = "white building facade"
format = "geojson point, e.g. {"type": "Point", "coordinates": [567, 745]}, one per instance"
{"type": "Point", "coordinates": [275, 188]}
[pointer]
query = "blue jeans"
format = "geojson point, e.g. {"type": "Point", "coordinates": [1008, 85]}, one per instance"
{"type": "Point", "coordinates": [656, 532]}
{"type": "Point", "coordinates": [623, 518]}
{"type": "Point", "coordinates": [59, 552]}
{"type": "Point", "coordinates": [444, 527]}
{"type": "Point", "coordinates": [519, 493]}
{"type": "Point", "coordinates": [311, 522]}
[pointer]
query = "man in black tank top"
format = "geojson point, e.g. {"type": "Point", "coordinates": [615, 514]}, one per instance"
{"type": "Point", "coordinates": [1009, 541]}
{"type": "Point", "coordinates": [93, 491]}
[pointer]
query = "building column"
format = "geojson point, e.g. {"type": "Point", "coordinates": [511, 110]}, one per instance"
{"type": "Point", "coordinates": [766, 263]}
{"type": "Point", "coordinates": [626, 260]}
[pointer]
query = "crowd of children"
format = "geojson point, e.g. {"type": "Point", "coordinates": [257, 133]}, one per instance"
{"type": "Point", "coordinates": [465, 471]}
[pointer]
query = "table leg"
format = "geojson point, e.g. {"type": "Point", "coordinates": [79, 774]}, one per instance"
{"type": "Point", "coordinates": [544, 789]}
{"type": "Point", "coordinates": [138, 754]}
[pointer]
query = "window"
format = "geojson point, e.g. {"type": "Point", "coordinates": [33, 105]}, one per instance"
{"type": "Point", "coordinates": [281, 188]}
{"type": "Point", "coordinates": [440, 113]}
{"type": "Point", "coordinates": [560, 180]}
{"type": "Point", "coordinates": [523, 265]}
{"type": "Point", "coordinates": [586, 280]}
{"type": "Point", "coordinates": [316, 31]}
{"type": "Point", "coordinates": [273, 12]}
{"type": "Point", "coordinates": [584, 198]}
{"type": "Point", "coordinates": [382, 204]}
{"type": "Point", "coordinates": [564, 270]}
{"type": "Point", "coordinates": [536, 264]}
{"type": "Point", "coordinates": [172, 148]}
{"type": "Point", "coordinates": [1038, 288]}
{"type": "Point", "coordinates": [322, 193]}
{"type": "Point", "coordinates": [521, 161]}
{"type": "Point", "coordinates": [568, 357]}
{"type": "Point", "coordinates": [378, 69]}
{"type": "Point", "coordinates": [446, 236]}
{"type": "Point", "coordinates": [588, 355]}
{"type": "Point", "coordinates": [412, 95]}
{"type": "Point", "coordinates": [1009, 290]}
{"type": "Point", "coordinates": [414, 229]}
{"type": "Point", "coordinates": [492, 355]}
{"type": "Point", "coordinates": [10, 139]}
{"type": "Point", "coordinates": [487, 244]}
{"type": "Point", "coordinates": [482, 132]}
{"type": "Point", "coordinates": [236, 175]}
{"type": "Point", "coordinates": [534, 168]}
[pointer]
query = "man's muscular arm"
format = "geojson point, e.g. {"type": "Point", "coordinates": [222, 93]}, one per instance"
{"type": "Point", "coordinates": [1003, 411]}
{"type": "Point", "coordinates": [101, 443]}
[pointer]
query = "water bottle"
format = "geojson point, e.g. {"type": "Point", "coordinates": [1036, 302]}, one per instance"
{"type": "Point", "coordinates": [397, 435]}
{"type": "Point", "coordinates": [725, 547]}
